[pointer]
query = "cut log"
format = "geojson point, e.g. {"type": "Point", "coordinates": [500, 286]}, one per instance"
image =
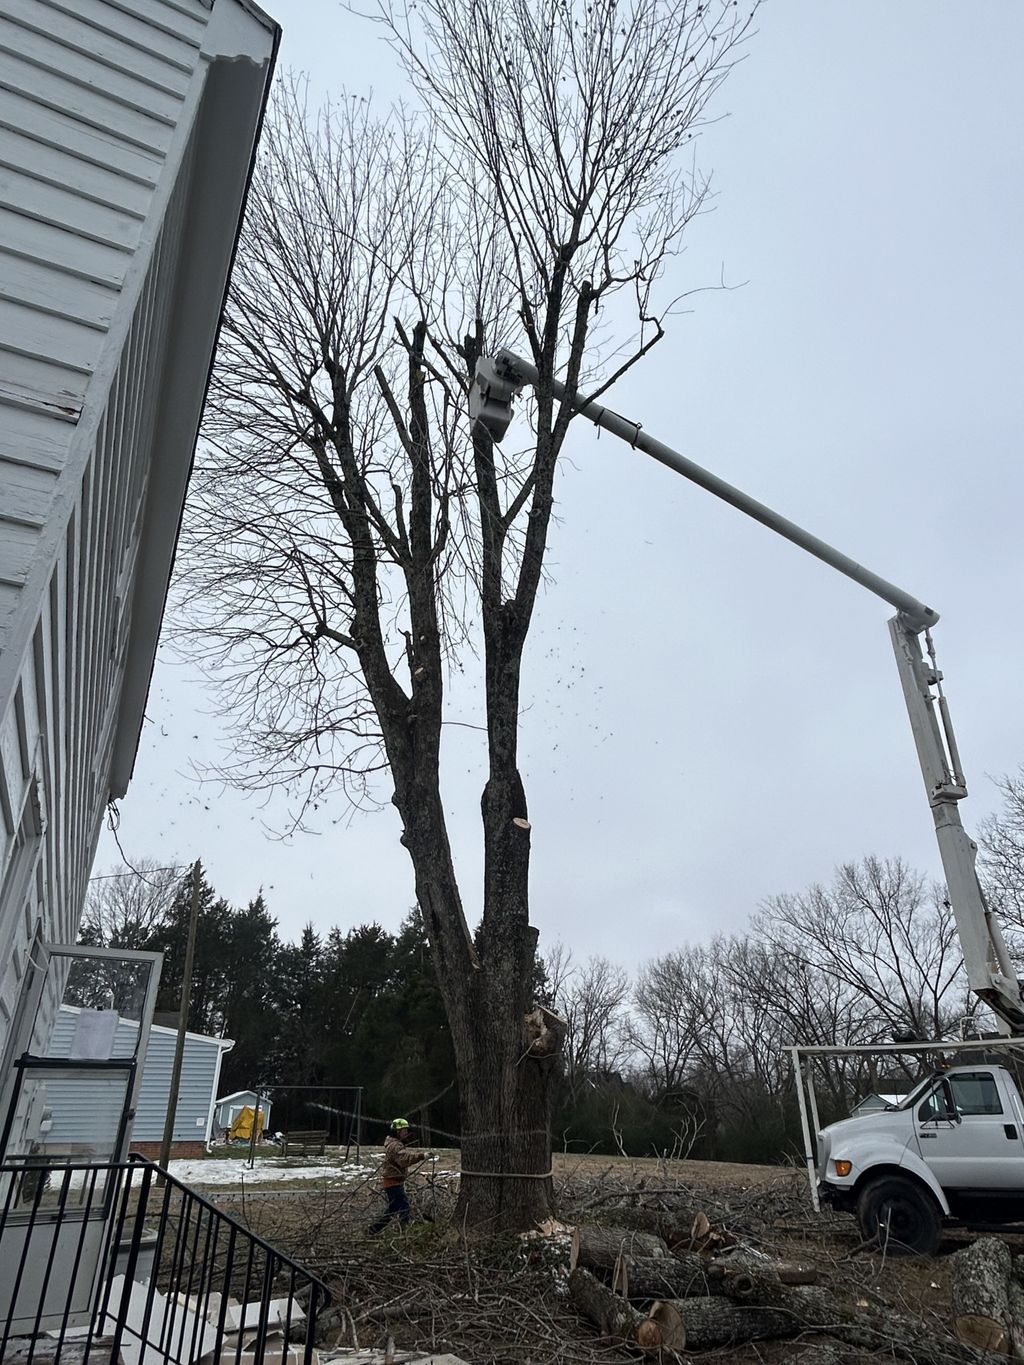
{"type": "Point", "coordinates": [779, 1272]}
{"type": "Point", "coordinates": [673, 1227]}
{"type": "Point", "coordinates": [598, 1248]}
{"type": "Point", "coordinates": [713, 1321]}
{"type": "Point", "coordinates": [981, 1289]}
{"type": "Point", "coordinates": [619, 1320]}
{"type": "Point", "coordinates": [759, 1283]}
{"type": "Point", "coordinates": [664, 1327]}
{"type": "Point", "coordinates": [792, 1272]}
{"type": "Point", "coordinates": [875, 1329]}
{"type": "Point", "coordinates": [660, 1277]}
{"type": "Point", "coordinates": [613, 1316]}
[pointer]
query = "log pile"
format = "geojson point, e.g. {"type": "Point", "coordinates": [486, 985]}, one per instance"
{"type": "Point", "coordinates": [696, 1299]}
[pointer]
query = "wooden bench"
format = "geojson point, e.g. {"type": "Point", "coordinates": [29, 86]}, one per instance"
{"type": "Point", "coordinates": [311, 1143]}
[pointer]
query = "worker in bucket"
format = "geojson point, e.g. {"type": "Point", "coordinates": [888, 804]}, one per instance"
{"type": "Point", "coordinates": [398, 1161]}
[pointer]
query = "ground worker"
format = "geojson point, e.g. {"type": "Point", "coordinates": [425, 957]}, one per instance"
{"type": "Point", "coordinates": [398, 1160]}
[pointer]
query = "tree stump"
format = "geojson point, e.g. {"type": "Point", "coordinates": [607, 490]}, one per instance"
{"type": "Point", "coordinates": [981, 1295]}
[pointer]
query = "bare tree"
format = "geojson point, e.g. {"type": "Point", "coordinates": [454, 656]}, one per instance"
{"type": "Point", "coordinates": [122, 909]}
{"type": "Point", "coordinates": [1002, 857]}
{"type": "Point", "coordinates": [780, 1000]}
{"type": "Point", "coordinates": [674, 997]}
{"type": "Point", "coordinates": [591, 999]}
{"type": "Point", "coordinates": [882, 932]}
{"type": "Point", "coordinates": [347, 537]}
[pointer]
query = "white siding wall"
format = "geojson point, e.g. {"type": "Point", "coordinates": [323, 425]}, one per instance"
{"type": "Point", "coordinates": [102, 103]}
{"type": "Point", "coordinates": [199, 1072]}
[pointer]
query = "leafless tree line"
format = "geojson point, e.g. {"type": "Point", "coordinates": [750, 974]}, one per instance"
{"type": "Point", "coordinates": [871, 957]}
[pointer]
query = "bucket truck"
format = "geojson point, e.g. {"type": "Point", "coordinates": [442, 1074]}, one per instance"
{"type": "Point", "coordinates": [958, 1141]}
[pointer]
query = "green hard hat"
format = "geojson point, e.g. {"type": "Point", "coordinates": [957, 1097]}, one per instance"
{"type": "Point", "coordinates": [399, 1123]}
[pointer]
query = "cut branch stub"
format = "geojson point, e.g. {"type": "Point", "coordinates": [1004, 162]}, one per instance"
{"type": "Point", "coordinates": [545, 1032]}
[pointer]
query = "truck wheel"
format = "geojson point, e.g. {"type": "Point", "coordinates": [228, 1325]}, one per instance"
{"type": "Point", "coordinates": [900, 1214]}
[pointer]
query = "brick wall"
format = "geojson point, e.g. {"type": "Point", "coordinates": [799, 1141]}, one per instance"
{"type": "Point", "coordinates": [179, 1150]}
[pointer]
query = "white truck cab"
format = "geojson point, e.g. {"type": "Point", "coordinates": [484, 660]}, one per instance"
{"type": "Point", "coordinates": [953, 1149]}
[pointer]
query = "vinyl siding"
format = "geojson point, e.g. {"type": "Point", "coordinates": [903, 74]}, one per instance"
{"type": "Point", "coordinates": [126, 131]}
{"type": "Point", "coordinates": [84, 1123]}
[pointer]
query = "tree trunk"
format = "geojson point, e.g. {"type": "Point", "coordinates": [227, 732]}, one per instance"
{"type": "Point", "coordinates": [981, 1306]}
{"type": "Point", "coordinates": [505, 1094]}
{"type": "Point", "coordinates": [598, 1248]}
{"type": "Point", "coordinates": [506, 1149]}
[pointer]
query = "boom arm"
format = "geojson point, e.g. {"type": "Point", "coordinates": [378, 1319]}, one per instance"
{"type": "Point", "coordinates": [989, 969]}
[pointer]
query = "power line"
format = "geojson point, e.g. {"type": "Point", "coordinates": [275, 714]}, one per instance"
{"type": "Point", "coordinates": [113, 824]}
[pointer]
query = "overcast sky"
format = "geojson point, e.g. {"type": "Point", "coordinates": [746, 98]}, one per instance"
{"type": "Point", "coordinates": [713, 717]}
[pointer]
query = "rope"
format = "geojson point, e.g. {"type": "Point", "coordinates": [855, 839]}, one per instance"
{"type": "Point", "coordinates": [511, 1175]}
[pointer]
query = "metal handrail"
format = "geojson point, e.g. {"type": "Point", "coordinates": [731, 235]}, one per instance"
{"type": "Point", "coordinates": [124, 1250]}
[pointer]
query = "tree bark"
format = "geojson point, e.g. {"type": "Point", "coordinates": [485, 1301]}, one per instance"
{"type": "Point", "coordinates": [713, 1321]}
{"type": "Point", "coordinates": [1016, 1319]}
{"type": "Point", "coordinates": [759, 1273]}
{"type": "Point", "coordinates": [612, 1315]}
{"type": "Point", "coordinates": [816, 1310]}
{"type": "Point", "coordinates": [660, 1277]}
{"type": "Point", "coordinates": [598, 1248]}
{"type": "Point", "coordinates": [674, 1227]}
{"type": "Point", "coordinates": [981, 1306]}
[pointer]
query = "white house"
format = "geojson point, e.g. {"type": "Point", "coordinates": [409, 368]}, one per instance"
{"type": "Point", "coordinates": [127, 132]}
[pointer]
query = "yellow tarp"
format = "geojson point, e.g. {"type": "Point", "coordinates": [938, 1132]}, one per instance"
{"type": "Point", "coordinates": [242, 1126]}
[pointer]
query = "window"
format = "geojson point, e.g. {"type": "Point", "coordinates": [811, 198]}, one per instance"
{"type": "Point", "coordinates": [976, 1094]}
{"type": "Point", "coordinates": [938, 1105]}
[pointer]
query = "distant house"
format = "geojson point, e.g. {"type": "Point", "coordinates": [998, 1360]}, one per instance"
{"type": "Point", "coordinates": [228, 1108]}
{"type": "Point", "coordinates": [129, 129]}
{"type": "Point", "coordinates": [874, 1103]}
{"type": "Point", "coordinates": [71, 1124]}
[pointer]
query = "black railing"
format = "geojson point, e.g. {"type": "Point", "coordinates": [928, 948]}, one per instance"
{"type": "Point", "coordinates": [104, 1262]}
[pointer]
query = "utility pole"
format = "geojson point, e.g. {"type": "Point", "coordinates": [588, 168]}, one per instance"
{"type": "Point", "coordinates": [186, 997]}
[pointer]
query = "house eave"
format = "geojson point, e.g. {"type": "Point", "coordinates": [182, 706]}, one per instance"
{"type": "Point", "coordinates": [240, 53]}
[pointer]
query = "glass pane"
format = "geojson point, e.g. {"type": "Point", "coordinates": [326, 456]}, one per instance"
{"type": "Point", "coordinates": [64, 1118]}
{"type": "Point", "coordinates": [91, 1007]}
{"type": "Point", "coordinates": [69, 1115]}
{"type": "Point", "coordinates": [976, 1094]}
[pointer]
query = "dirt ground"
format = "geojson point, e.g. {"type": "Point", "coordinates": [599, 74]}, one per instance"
{"type": "Point", "coordinates": [507, 1302]}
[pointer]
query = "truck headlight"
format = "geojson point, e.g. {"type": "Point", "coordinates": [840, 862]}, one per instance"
{"type": "Point", "coordinates": [843, 1167]}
